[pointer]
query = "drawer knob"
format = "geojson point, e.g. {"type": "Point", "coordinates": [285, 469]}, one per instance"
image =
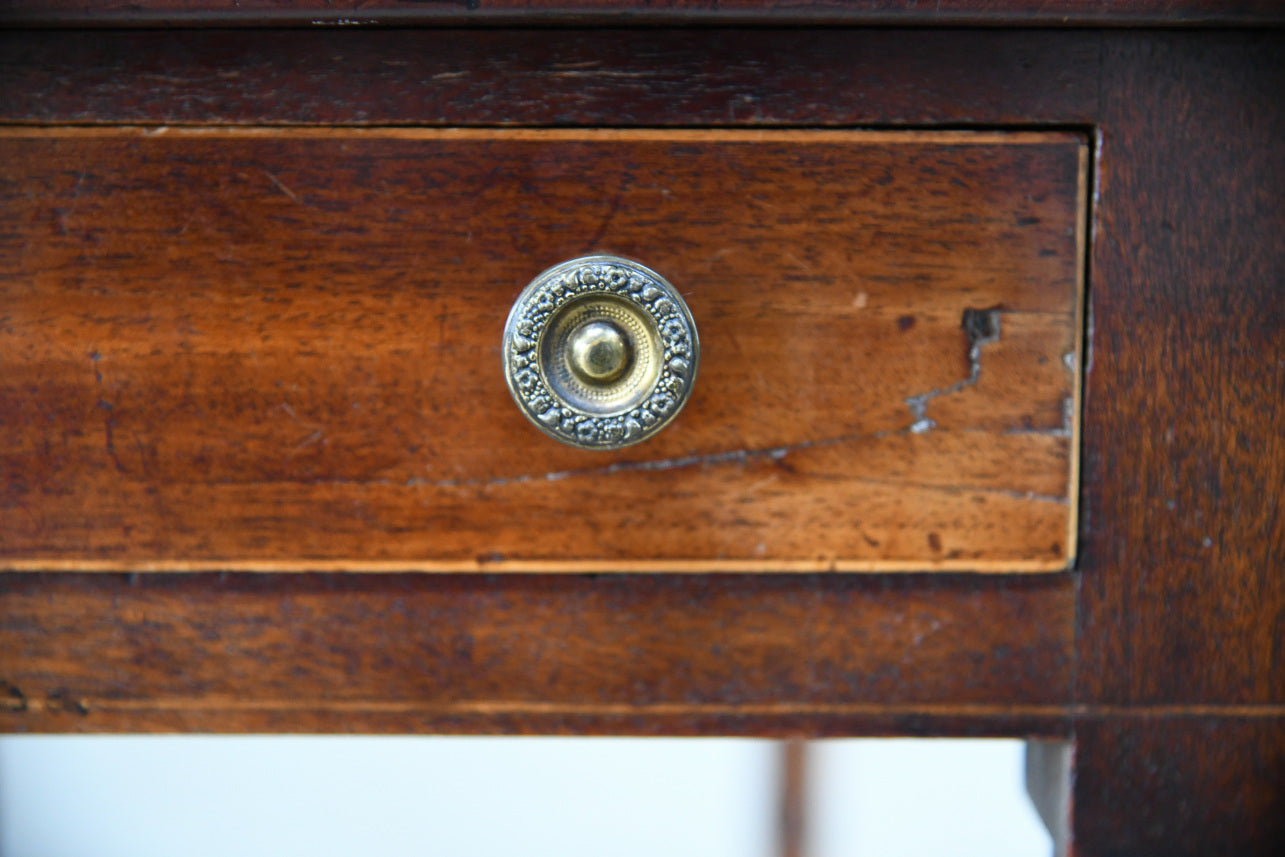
{"type": "Point", "coordinates": [600, 352]}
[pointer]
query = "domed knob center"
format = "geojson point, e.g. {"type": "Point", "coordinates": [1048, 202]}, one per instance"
{"type": "Point", "coordinates": [599, 351]}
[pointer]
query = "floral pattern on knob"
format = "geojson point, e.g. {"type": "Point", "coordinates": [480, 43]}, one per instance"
{"type": "Point", "coordinates": [657, 314]}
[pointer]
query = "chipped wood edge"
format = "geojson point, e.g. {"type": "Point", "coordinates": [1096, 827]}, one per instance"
{"type": "Point", "coordinates": [680, 566]}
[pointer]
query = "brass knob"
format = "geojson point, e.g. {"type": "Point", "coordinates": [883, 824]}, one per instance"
{"type": "Point", "coordinates": [600, 352]}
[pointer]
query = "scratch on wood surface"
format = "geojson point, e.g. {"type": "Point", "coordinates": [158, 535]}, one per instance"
{"type": "Point", "coordinates": [610, 216]}
{"type": "Point", "coordinates": [64, 214]}
{"type": "Point", "coordinates": [952, 489]}
{"type": "Point", "coordinates": [605, 75]}
{"type": "Point", "coordinates": [316, 437]}
{"type": "Point", "coordinates": [109, 420]}
{"type": "Point", "coordinates": [282, 187]}
{"type": "Point", "coordinates": [981, 327]}
{"type": "Point", "coordinates": [739, 456]}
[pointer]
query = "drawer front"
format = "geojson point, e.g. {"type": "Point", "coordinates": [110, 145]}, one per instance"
{"type": "Point", "coordinates": [279, 349]}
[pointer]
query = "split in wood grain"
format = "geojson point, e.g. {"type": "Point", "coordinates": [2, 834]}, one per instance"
{"type": "Point", "coordinates": [270, 349]}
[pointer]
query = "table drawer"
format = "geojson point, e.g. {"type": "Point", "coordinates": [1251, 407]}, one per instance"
{"type": "Point", "coordinates": [279, 349]}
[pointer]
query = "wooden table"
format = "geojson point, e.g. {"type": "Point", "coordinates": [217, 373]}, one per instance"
{"type": "Point", "coordinates": [1161, 654]}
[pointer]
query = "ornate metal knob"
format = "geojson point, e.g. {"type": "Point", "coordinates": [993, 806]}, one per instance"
{"type": "Point", "coordinates": [600, 352]}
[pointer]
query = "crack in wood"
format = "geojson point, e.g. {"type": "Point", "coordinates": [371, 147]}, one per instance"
{"type": "Point", "coordinates": [733, 456]}
{"type": "Point", "coordinates": [109, 420]}
{"type": "Point", "coordinates": [981, 327]}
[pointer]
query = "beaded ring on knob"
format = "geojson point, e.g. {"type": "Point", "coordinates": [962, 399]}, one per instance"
{"type": "Point", "coordinates": [600, 352]}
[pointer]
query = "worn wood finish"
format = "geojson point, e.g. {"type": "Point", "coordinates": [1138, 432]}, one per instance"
{"type": "Point", "coordinates": [1183, 594]}
{"type": "Point", "coordinates": [1183, 536]}
{"type": "Point", "coordinates": [812, 654]}
{"type": "Point", "coordinates": [276, 350]}
{"type": "Point", "coordinates": [804, 77]}
{"type": "Point", "coordinates": [351, 13]}
{"type": "Point", "coordinates": [1179, 787]}
{"type": "Point", "coordinates": [1175, 702]}
{"type": "Point", "coordinates": [612, 78]}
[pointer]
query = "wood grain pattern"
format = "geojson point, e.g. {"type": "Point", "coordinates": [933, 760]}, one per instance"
{"type": "Point", "coordinates": [758, 654]}
{"type": "Point", "coordinates": [1170, 679]}
{"type": "Point", "coordinates": [1184, 530]}
{"type": "Point", "coordinates": [267, 350]}
{"type": "Point", "coordinates": [608, 78]}
{"type": "Point", "coordinates": [1180, 786]}
{"type": "Point", "coordinates": [368, 13]}
{"type": "Point", "coordinates": [1183, 598]}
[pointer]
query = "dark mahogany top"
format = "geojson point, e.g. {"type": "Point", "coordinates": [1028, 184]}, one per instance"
{"type": "Point", "coordinates": [646, 12]}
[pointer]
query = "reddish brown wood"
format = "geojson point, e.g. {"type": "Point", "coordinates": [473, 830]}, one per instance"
{"type": "Point", "coordinates": [279, 350]}
{"type": "Point", "coordinates": [1173, 787]}
{"type": "Point", "coordinates": [796, 77]}
{"type": "Point", "coordinates": [751, 655]}
{"type": "Point", "coordinates": [1177, 704]}
{"type": "Point", "coordinates": [352, 13]}
{"type": "Point", "coordinates": [1183, 595]}
{"type": "Point", "coordinates": [1183, 536]}
{"type": "Point", "coordinates": [613, 78]}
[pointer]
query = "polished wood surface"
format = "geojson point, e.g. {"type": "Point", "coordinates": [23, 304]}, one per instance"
{"type": "Point", "coordinates": [374, 13]}
{"type": "Point", "coordinates": [1178, 785]}
{"type": "Point", "coordinates": [604, 78]}
{"type": "Point", "coordinates": [1183, 531]}
{"type": "Point", "coordinates": [677, 654]}
{"type": "Point", "coordinates": [1159, 656]}
{"type": "Point", "coordinates": [271, 350]}
{"type": "Point", "coordinates": [1181, 616]}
